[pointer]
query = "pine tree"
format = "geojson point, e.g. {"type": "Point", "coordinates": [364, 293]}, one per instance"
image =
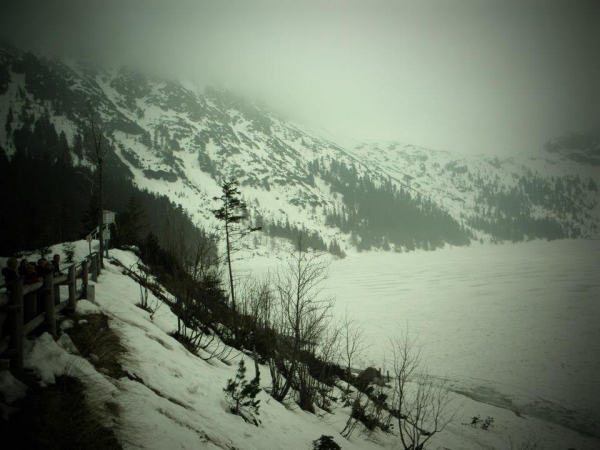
{"type": "Point", "coordinates": [241, 395]}
{"type": "Point", "coordinates": [78, 146]}
{"type": "Point", "coordinates": [9, 120]}
{"type": "Point", "coordinates": [63, 152]}
{"type": "Point", "coordinates": [325, 443]}
{"type": "Point", "coordinates": [232, 213]}
{"type": "Point", "coordinates": [132, 223]}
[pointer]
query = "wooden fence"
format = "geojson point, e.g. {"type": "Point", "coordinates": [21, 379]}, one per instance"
{"type": "Point", "coordinates": [20, 311]}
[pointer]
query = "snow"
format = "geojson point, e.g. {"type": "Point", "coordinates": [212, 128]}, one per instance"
{"type": "Point", "coordinates": [511, 325]}
{"type": "Point", "coordinates": [190, 405]}
{"type": "Point", "coordinates": [173, 399]}
{"type": "Point", "coordinates": [48, 359]}
{"type": "Point", "coordinates": [65, 342]}
{"type": "Point", "coordinates": [12, 388]}
{"type": "Point", "coordinates": [86, 307]}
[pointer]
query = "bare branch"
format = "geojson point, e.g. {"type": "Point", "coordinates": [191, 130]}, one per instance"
{"type": "Point", "coordinates": [423, 404]}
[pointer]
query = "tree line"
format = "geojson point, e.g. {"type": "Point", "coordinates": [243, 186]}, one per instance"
{"type": "Point", "coordinates": [508, 213]}
{"type": "Point", "coordinates": [381, 215]}
{"type": "Point", "coordinates": [51, 196]}
{"type": "Point", "coordinates": [311, 239]}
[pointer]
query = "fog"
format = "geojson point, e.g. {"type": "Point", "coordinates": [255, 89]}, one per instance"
{"type": "Point", "coordinates": [497, 77]}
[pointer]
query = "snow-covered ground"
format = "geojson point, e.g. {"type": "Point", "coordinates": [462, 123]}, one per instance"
{"type": "Point", "coordinates": [474, 326]}
{"type": "Point", "coordinates": [514, 325]}
{"type": "Point", "coordinates": [178, 399]}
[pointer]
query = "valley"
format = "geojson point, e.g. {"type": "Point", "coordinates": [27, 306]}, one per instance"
{"type": "Point", "coordinates": [492, 262]}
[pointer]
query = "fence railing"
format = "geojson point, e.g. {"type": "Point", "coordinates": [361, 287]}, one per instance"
{"type": "Point", "coordinates": [23, 308]}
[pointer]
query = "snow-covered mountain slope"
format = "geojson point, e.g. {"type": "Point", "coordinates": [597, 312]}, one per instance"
{"type": "Point", "coordinates": [457, 181]}
{"type": "Point", "coordinates": [183, 141]}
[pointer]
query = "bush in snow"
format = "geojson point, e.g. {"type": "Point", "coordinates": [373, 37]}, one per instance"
{"type": "Point", "coordinates": [477, 421]}
{"type": "Point", "coordinates": [325, 443]}
{"type": "Point", "coordinates": [69, 250]}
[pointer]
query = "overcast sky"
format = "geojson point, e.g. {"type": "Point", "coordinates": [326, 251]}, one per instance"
{"type": "Point", "coordinates": [496, 77]}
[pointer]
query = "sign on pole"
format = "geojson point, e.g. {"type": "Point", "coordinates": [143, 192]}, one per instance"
{"type": "Point", "coordinates": [108, 216]}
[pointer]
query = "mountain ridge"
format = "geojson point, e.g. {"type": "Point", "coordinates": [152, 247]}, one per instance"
{"type": "Point", "coordinates": [183, 142]}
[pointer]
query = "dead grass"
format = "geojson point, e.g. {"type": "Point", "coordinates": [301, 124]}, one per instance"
{"type": "Point", "coordinates": [98, 343]}
{"type": "Point", "coordinates": [58, 417]}
{"type": "Point", "coordinates": [63, 416]}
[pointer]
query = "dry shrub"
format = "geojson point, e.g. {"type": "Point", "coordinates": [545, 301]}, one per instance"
{"type": "Point", "coordinates": [68, 415]}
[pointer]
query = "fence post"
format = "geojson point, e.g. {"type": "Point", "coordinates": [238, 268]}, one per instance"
{"type": "Point", "coordinates": [84, 278]}
{"type": "Point", "coordinates": [99, 263]}
{"type": "Point", "coordinates": [16, 336]}
{"type": "Point", "coordinates": [56, 288]}
{"type": "Point", "coordinates": [72, 288]}
{"type": "Point", "coordinates": [49, 302]}
{"type": "Point", "coordinates": [91, 294]}
{"type": "Point", "coordinates": [95, 268]}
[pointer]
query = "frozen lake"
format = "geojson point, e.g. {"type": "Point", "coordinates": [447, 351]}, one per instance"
{"type": "Point", "coordinates": [515, 325]}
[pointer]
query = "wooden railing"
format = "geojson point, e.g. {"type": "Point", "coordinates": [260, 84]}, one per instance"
{"type": "Point", "coordinates": [19, 313]}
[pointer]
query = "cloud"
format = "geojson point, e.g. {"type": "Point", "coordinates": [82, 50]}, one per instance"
{"type": "Point", "coordinates": [488, 76]}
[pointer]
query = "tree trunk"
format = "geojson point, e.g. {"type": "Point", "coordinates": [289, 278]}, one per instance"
{"type": "Point", "coordinates": [101, 213]}
{"type": "Point", "coordinates": [256, 369]}
{"type": "Point", "coordinates": [233, 304]}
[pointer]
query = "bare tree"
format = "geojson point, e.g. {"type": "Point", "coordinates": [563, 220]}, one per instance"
{"type": "Point", "coordinates": [303, 315]}
{"type": "Point", "coordinates": [329, 350]}
{"type": "Point", "coordinates": [98, 153]}
{"type": "Point", "coordinates": [358, 409]}
{"type": "Point", "coordinates": [353, 345]}
{"type": "Point", "coordinates": [143, 273]}
{"type": "Point", "coordinates": [422, 403]}
{"type": "Point", "coordinates": [256, 303]}
{"type": "Point", "coordinates": [196, 260]}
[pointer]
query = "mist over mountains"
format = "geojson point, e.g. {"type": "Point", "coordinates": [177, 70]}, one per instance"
{"type": "Point", "coordinates": [177, 142]}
